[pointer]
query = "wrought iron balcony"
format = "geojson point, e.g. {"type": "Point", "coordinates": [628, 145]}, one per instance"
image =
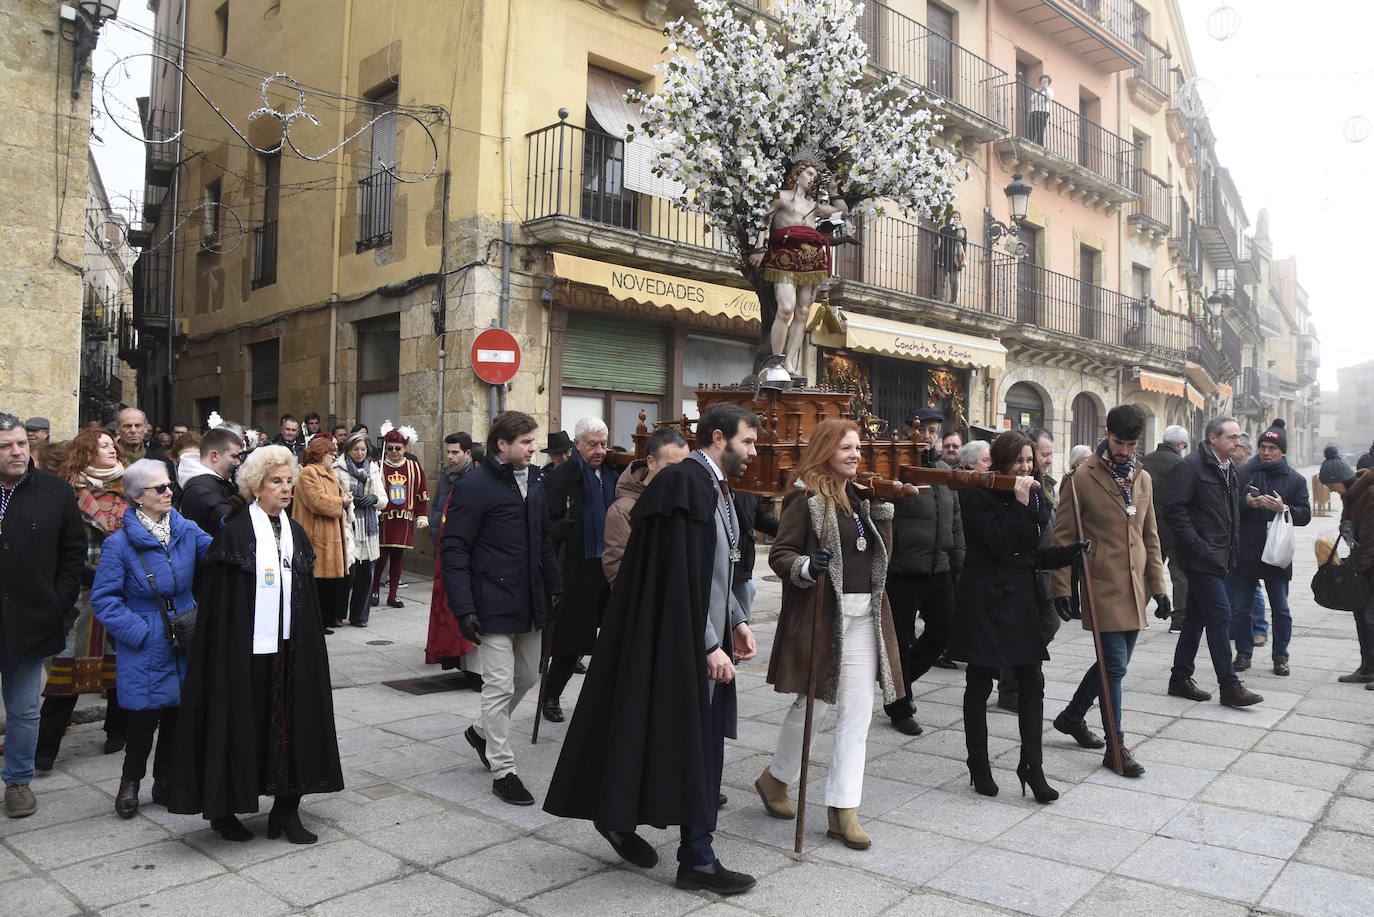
{"type": "Point", "coordinates": [127, 336]}
{"type": "Point", "coordinates": [1258, 392]}
{"type": "Point", "coordinates": [1100, 32]}
{"type": "Point", "coordinates": [376, 204]}
{"type": "Point", "coordinates": [1151, 83]}
{"type": "Point", "coordinates": [1066, 305]}
{"type": "Point", "coordinates": [1216, 232]}
{"type": "Point", "coordinates": [575, 194]}
{"type": "Point", "coordinates": [1054, 140]}
{"type": "Point", "coordinates": [163, 146]}
{"type": "Point", "coordinates": [1206, 354]}
{"type": "Point", "coordinates": [152, 274]}
{"type": "Point", "coordinates": [1151, 213]}
{"type": "Point", "coordinates": [265, 254]}
{"type": "Point", "coordinates": [1230, 349]}
{"type": "Point", "coordinates": [970, 92]}
{"type": "Point", "coordinates": [900, 256]}
{"type": "Point", "coordinates": [1183, 242]}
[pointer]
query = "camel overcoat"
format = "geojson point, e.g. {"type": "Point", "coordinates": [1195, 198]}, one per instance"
{"type": "Point", "coordinates": [319, 510]}
{"type": "Point", "coordinates": [804, 517]}
{"type": "Point", "coordinates": [1125, 561]}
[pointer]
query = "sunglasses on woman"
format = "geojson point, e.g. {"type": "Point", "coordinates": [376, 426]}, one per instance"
{"type": "Point", "coordinates": [160, 489]}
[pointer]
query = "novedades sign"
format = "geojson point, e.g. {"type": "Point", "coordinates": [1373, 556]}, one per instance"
{"type": "Point", "coordinates": [660, 289]}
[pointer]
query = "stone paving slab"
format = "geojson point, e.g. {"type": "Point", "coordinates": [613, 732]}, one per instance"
{"type": "Point", "coordinates": [1265, 810]}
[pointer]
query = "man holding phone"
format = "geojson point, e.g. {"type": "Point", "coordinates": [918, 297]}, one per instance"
{"type": "Point", "coordinates": [1272, 487]}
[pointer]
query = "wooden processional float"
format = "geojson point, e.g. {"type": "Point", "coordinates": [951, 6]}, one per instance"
{"type": "Point", "coordinates": [893, 468]}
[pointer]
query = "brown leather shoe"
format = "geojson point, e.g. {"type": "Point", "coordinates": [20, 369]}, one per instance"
{"type": "Point", "coordinates": [1130, 767]}
{"type": "Point", "coordinates": [1187, 688]}
{"type": "Point", "coordinates": [773, 792]}
{"type": "Point", "coordinates": [1079, 730]}
{"type": "Point", "coordinates": [1357, 677]}
{"type": "Point", "coordinates": [1242, 662]}
{"type": "Point", "coordinates": [1235, 695]}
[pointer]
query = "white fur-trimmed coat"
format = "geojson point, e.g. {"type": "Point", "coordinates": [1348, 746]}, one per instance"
{"type": "Point", "coordinates": [804, 517]}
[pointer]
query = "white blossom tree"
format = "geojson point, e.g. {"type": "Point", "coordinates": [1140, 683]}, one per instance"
{"type": "Point", "coordinates": [743, 99]}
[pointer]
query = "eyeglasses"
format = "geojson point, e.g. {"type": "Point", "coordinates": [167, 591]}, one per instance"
{"type": "Point", "coordinates": [160, 489]}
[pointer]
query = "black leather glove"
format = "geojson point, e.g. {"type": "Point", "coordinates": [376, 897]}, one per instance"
{"type": "Point", "coordinates": [1348, 530]}
{"type": "Point", "coordinates": [563, 529]}
{"type": "Point", "coordinates": [366, 501]}
{"type": "Point", "coordinates": [471, 627]}
{"type": "Point", "coordinates": [820, 562]}
{"type": "Point", "coordinates": [1067, 608]}
{"type": "Point", "coordinates": [555, 609]}
{"type": "Point", "coordinates": [1163, 607]}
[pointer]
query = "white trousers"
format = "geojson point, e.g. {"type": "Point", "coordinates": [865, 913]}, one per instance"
{"type": "Point", "coordinates": [853, 712]}
{"type": "Point", "coordinates": [510, 667]}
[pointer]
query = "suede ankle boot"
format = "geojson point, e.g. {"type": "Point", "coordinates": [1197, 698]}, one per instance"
{"type": "Point", "coordinates": [843, 825]}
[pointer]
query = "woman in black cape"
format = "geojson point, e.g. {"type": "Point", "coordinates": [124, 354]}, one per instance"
{"type": "Point", "coordinates": [257, 708]}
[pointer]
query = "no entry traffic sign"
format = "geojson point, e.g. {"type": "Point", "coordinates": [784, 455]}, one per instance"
{"type": "Point", "coordinates": [495, 356]}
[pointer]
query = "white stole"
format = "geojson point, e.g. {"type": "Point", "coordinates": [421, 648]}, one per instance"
{"type": "Point", "coordinates": [272, 577]}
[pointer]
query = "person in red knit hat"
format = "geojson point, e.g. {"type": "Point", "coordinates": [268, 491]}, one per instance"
{"type": "Point", "coordinates": [406, 508]}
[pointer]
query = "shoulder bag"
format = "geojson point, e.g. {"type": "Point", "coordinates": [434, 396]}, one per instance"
{"type": "Point", "coordinates": [181, 628]}
{"type": "Point", "coordinates": [1339, 586]}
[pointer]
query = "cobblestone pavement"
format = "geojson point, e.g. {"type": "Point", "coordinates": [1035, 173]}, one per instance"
{"type": "Point", "coordinates": [1268, 809]}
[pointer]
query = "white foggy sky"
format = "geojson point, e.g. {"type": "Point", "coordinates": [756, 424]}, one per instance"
{"type": "Point", "coordinates": [1285, 83]}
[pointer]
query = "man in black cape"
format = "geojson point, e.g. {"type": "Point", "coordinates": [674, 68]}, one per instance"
{"type": "Point", "coordinates": [646, 742]}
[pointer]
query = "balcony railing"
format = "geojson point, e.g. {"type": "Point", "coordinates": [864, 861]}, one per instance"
{"type": "Point", "coordinates": [1261, 383]}
{"type": "Point", "coordinates": [1067, 134]}
{"type": "Point", "coordinates": [265, 254]}
{"type": "Point", "coordinates": [1115, 15]}
{"type": "Point", "coordinates": [152, 273]}
{"type": "Point", "coordinates": [1057, 302]}
{"type": "Point", "coordinates": [376, 199]}
{"type": "Point", "coordinates": [163, 152]}
{"type": "Point", "coordinates": [1206, 354]}
{"type": "Point", "coordinates": [1155, 69]}
{"type": "Point", "coordinates": [1215, 229]}
{"type": "Point", "coordinates": [1183, 242]}
{"type": "Point", "coordinates": [580, 173]}
{"type": "Point", "coordinates": [1152, 211]}
{"type": "Point", "coordinates": [898, 255]}
{"type": "Point", "coordinates": [127, 336]}
{"type": "Point", "coordinates": [1230, 348]}
{"type": "Point", "coordinates": [945, 69]}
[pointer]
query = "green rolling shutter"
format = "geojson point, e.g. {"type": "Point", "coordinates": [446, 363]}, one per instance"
{"type": "Point", "coordinates": [613, 354]}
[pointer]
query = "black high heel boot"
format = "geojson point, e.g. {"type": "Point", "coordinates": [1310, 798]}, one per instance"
{"type": "Point", "coordinates": [286, 816]}
{"type": "Point", "coordinates": [1034, 774]}
{"type": "Point", "coordinates": [980, 777]}
{"type": "Point", "coordinates": [231, 829]}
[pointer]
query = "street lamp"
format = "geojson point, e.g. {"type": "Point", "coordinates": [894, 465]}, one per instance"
{"type": "Point", "coordinates": [1018, 202]}
{"type": "Point", "coordinates": [86, 18]}
{"type": "Point", "coordinates": [1215, 302]}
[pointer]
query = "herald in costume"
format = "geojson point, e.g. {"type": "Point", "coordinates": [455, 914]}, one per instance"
{"type": "Point", "coordinates": [404, 508]}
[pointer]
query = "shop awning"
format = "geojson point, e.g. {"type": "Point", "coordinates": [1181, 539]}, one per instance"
{"type": "Point", "coordinates": [1225, 390]}
{"type": "Point", "coordinates": [1157, 382]}
{"type": "Point", "coordinates": [1195, 397]}
{"type": "Point", "coordinates": [637, 284]}
{"type": "Point", "coordinates": [913, 342]}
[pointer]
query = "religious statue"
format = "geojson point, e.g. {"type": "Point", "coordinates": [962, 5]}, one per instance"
{"type": "Point", "coordinates": [796, 256]}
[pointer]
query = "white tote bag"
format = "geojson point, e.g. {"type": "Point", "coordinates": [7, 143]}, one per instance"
{"type": "Point", "coordinates": [1278, 541]}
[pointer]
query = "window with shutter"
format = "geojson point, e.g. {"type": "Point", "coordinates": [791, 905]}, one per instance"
{"type": "Point", "coordinates": [613, 354]}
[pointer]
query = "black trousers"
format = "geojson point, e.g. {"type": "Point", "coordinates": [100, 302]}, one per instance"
{"type": "Point", "coordinates": [557, 676]}
{"type": "Point", "coordinates": [1030, 713]}
{"type": "Point", "coordinates": [932, 597]}
{"type": "Point", "coordinates": [142, 725]}
{"type": "Point", "coordinates": [56, 713]}
{"type": "Point", "coordinates": [360, 592]}
{"type": "Point", "coordinates": [333, 595]}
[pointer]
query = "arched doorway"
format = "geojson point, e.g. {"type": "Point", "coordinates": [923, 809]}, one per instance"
{"type": "Point", "coordinates": [1087, 421]}
{"type": "Point", "coordinates": [1025, 407]}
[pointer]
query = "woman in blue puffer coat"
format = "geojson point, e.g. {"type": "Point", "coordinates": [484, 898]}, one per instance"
{"type": "Point", "coordinates": [155, 542]}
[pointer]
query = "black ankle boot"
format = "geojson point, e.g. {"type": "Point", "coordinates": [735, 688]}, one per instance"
{"type": "Point", "coordinates": [1034, 774]}
{"type": "Point", "coordinates": [980, 777]}
{"type": "Point", "coordinates": [285, 816]}
{"type": "Point", "coordinates": [126, 801]}
{"type": "Point", "coordinates": [231, 829]}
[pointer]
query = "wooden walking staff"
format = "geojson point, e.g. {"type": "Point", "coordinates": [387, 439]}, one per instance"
{"type": "Point", "coordinates": [818, 597]}
{"type": "Point", "coordinates": [545, 642]}
{"type": "Point", "coordinates": [1090, 610]}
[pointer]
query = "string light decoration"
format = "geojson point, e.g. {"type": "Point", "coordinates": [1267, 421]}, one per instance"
{"type": "Point", "coordinates": [1223, 22]}
{"type": "Point", "coordinates": [286, 118]}
{"type": "Point", "coordinates": [1356, 129]}
{"type": "Point", "coordinates": [1197, 97]}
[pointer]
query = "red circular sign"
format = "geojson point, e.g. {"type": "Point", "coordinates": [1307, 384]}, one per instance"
{"type": "Point", "coordinates": [495, 356]}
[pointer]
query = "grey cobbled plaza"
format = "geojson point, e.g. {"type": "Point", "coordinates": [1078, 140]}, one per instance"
{"type": "Point", "coordinates": [1262, 810]}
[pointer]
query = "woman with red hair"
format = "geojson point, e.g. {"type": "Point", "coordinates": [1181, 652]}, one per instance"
{"type": "Point", "coordinates": [829, 527]}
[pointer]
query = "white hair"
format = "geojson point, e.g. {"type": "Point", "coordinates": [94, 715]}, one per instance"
{"type": "Point", "coordinates": [254, 468]}
{"type": "Point", "coordinates": [588, 426]}
{"type": "Point", "coordinates": [972, 451]}
{"type": "Point", "coordinates": [137, 476]}
{"type": "Point", "coordinates": [1080, 452]}
{"type": "Point", "coordinates": [1174, 434]}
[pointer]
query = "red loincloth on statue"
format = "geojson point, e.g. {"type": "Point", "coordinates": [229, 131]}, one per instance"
{"type": "Point", "coordinates": [799, 255]}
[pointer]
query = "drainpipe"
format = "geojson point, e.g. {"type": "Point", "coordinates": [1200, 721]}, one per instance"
{"type": "Point", "coordinates": [172, 258]}
{"type": "Point", "coordinates": [505, 291]}
{"type": "Point", "coordinates": [497, 393]}
{"type": "Point", "coordinates": [339, 192]}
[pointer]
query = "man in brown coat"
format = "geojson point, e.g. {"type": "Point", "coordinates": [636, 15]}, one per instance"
{"type": "Point", "coordinates": [1113, 494]}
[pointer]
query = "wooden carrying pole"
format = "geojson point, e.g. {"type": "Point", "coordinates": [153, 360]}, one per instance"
{"type": "Point", "coordinates": [817, 598]}
{"type": "Point", "coordinates": [545, 643]}
{"type": "Point", "coordinates": [1090, 609]}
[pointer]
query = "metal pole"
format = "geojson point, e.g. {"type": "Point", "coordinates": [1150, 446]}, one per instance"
{"type": "Point", "coordinates": [818, 597]}
{"type": "Point", "coordinates": [1105, 698]}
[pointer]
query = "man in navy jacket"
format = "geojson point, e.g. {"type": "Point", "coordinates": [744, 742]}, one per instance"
{"type": "Point", "coordinates": [503, 583]}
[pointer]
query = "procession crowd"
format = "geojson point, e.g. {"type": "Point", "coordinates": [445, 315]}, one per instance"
{"type": "Point", "coordinates": [193, 578]}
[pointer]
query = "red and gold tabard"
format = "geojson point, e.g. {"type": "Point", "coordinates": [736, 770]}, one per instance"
{"type": "Point", "coordinates": [406, 499]}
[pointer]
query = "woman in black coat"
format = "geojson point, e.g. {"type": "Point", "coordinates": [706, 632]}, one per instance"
{"type": "Point", "coordinates": [997, 615]}
{"type": "Point", "coordinates": [257, 715]}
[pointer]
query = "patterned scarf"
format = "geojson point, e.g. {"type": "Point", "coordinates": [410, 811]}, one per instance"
{"type": "Point", "coordinates": [1124, 474]}
{"type": "Point", "coordinates": [162, 531]}
{"type": "Point", "coordinates": [360, 475]}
